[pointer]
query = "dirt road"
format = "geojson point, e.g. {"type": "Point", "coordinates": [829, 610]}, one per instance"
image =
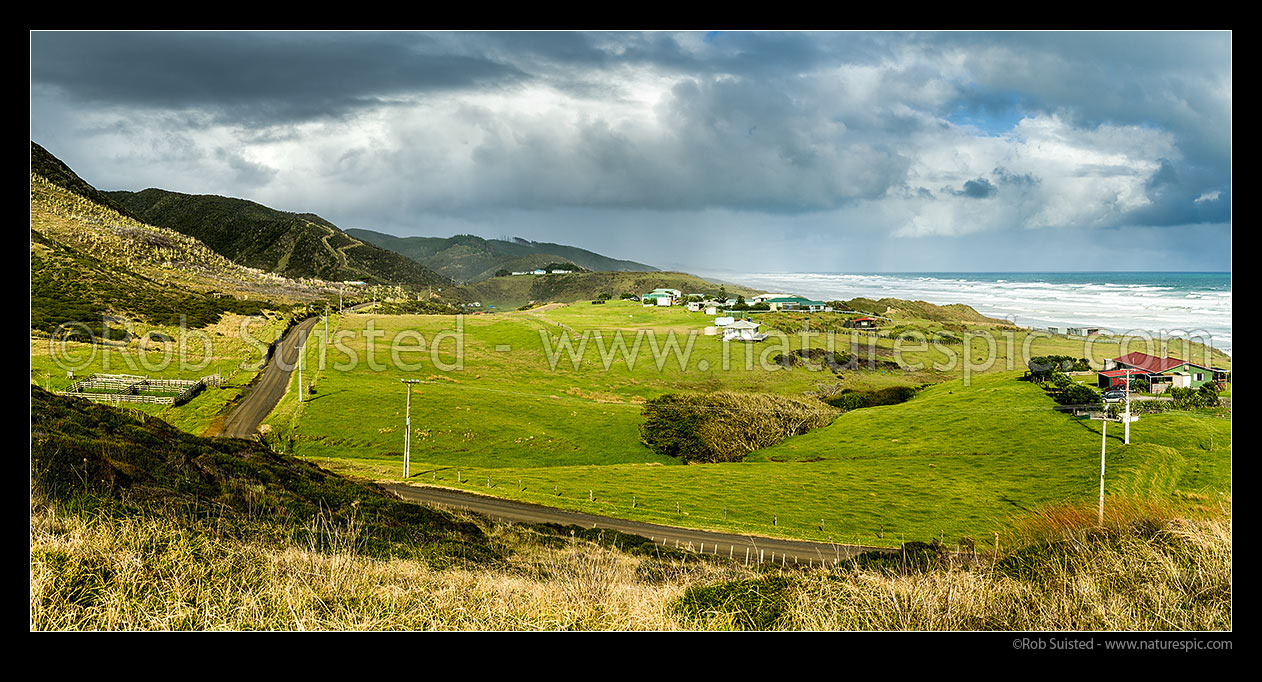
{"type": "Point", "coordinates": [739, 547]}
{"type": "Point", "coordinates": [243, 421]}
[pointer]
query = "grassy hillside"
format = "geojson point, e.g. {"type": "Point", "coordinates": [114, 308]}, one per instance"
{"type": "Point", "coordinates": [175, 308]}
{"type": "Point", "coordinates": [514, 291]}
{"type": "Point", "coordinates": [136, 526]}
{"type": "Point", "coordinates": [84, 450]}
{"type": "Point", "coordinates": [958, 459]}
{"type": "Point", "coordinates": [290, 244]}
{"type": "Point", "coordinates": [52, 169]}
{"type": "Point", "coordinates": [469, 258]}
{"type": "Point", "coordinates": [88, 260]}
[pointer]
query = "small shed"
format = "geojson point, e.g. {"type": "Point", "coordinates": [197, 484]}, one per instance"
{"type": "Point", "coordinates": [742, 330]}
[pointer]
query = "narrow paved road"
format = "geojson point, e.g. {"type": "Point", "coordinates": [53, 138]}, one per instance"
{"type": "Point", "coordinates": [740, 547]}
{"type": "Point", "coordinates": [243, 421]}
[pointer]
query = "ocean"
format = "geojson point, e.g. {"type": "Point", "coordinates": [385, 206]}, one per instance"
{"type": "Point", "coordinates": [1119, 302]}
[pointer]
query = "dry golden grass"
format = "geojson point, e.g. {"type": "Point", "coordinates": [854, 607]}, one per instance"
{"type": "Point", "coordinates": [153, 573]}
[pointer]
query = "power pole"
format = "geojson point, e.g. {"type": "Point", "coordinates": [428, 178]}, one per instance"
{"type": "Point", "coordinates": [407, 421]}
{"type": "Point", "coordinates": [1104, 430]}
{"type": "Point", "coordinates": [300, 389]}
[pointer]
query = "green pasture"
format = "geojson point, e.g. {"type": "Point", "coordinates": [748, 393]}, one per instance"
{"type": "Point", "coordinates": [221, 349]}
{"type": "Point", "coordinates": [519, 421]}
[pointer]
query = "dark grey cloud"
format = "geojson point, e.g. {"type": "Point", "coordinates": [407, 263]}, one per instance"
{"type": "Point", "coordinates": [816, 132]}
{"type": "Point", "coordinates": [978, 189]}
{"type": "Point", "coordinates": [255, 78]}
{"type": "Point", "coordinates": [1006, 177]}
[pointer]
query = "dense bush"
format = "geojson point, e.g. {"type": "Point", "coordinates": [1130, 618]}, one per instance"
{"type": "Point", "coordinates": [1044, 366]}
{"type": "Point", "coordinates": [1077, 394]}
{"type": "Point", "coordinates": [726, 426]}
{"type": "Point", "coordinates": [850, 399]}
{"type": "Point", "coordinates": [815, 357]}
{"type": "Point", "coordinates": [1190, 398]}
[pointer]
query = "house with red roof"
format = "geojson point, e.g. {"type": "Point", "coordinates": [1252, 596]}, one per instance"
{"type": "Point", "coordinates": [1162, 373]}
{"type": "Point", "coordinates": [863, 323]}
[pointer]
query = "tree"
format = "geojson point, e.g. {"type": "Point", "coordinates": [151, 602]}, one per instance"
{"type": "Point", "coordinates": [1077, 394]}
{"type": "Point", "coordinates": [502, 272]}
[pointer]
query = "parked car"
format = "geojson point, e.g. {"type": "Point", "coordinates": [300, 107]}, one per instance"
{"type": "Point", "coordinates": [1114, 396]}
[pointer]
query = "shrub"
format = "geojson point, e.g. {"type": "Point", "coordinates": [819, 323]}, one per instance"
{"type": "Point", "coordinates": [814, 357]}
{"type": "Point", "coordinates": [850, 399]}
{"type": "Point", "coordinates": [1043, 367]}
{"type": "Point", "coordinates": [751, 604]}
{"type": "Point", "coordinates": [726, 426]}
{"type": "Point", "coordinates": [1077, 394]}
{"type": "Point", "coordinates": [1189, 398]}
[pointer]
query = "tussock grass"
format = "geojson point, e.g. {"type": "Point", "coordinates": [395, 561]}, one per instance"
{"type": "Point", "coordinates": [1143, 570]}
{"type": "Point", "coordinates": [92, 570]}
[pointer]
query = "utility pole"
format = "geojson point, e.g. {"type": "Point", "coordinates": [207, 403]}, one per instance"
{"type": "Point", "coordinates": [300, 385]}
{"type": "Point", "coordinates": [1104, 430]}
{"type": "Point", "coordinates": [407, 421]}
{"type": "Point", "coordinates": [1127, 419]}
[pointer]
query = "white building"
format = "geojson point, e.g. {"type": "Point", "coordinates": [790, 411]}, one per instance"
{"type": "Point", "coordinates": [742, 330]}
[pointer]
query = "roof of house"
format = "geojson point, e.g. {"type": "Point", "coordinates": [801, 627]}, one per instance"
{"type": "Point", "coordinates": [1149, 363]}
{"type": "Point", "coordinates": [1113, 373]}
{"type": "Point", "coordinates": [743, 324]}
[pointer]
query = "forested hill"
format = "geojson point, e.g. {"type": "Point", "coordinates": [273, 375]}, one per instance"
{"type": "Point", "coordinates": [291, 244]}
{"type": "Point", "coordinates": [469, 258]}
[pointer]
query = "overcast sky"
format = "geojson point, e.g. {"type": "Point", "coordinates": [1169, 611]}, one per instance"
{"type": "Point", "coordinates": [713, 151]}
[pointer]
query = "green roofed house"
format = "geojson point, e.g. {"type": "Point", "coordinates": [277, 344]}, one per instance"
{"type": "Point", "coordinates": [662, 297]}
{"type": "Point", "coordinates": [796, 303]}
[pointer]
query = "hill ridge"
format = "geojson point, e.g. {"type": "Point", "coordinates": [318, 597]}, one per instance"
{"type": "Point", "coordinates": [297, 245]}
{"type": "Point", "coordinates": [468, 258]}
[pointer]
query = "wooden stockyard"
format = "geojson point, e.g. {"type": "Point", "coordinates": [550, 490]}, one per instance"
{"type": "Point", "coordinates": [128, 388]}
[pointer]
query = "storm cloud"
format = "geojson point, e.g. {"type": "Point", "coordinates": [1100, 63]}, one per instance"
{"type": "Point", "coordinates": [878, 139]}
